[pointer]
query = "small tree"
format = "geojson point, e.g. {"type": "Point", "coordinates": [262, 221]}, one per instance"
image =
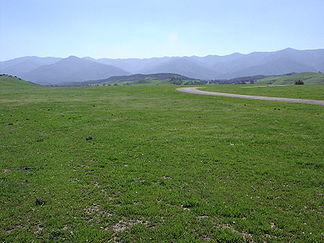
{"type": "Point", "coordinates": [299, 82]}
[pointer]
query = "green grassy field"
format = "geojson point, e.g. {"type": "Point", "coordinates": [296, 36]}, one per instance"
{"type": "Point", "coordinates": [307, 78]}
{"type": "Point", "coordinates": [163, 166]}
{"type": "Point", "coordinates": [289, 91]}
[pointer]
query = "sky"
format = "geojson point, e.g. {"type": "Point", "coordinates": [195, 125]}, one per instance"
{"type": "Point", "coordinates": [155, 28]}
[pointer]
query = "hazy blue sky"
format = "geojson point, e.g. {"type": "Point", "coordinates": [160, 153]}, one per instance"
{"type": "Point", "coordinates": [146, 28]}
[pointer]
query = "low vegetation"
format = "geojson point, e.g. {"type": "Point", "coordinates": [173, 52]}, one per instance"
{"type": "Point", "coordinates": [148, 163]}
{"type": "Point", "coordinates": [299, 82]}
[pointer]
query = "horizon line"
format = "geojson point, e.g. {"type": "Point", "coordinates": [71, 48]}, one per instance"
{"type": "Point", "coordinates": [152, 57]}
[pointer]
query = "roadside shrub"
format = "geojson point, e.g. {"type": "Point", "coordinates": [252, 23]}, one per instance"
{"type": "Point", "coordinates": [299, 82]}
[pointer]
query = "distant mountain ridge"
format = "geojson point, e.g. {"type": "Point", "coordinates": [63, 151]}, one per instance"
{"type": "Point", "coordinates": [52, 70]}
{"type": "Point", "coordinates": [21, 65]}
{"type": "Point", "coordinates": [71, 69]}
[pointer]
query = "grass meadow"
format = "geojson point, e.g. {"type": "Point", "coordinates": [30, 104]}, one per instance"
{"type": "Point", "coordinates": [315, 92]}
{"type": "Point", "coordinates": [162, 166]}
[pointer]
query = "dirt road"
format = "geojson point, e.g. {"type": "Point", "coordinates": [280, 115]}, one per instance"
{"type": "Point", "coordinates": [195, 90]}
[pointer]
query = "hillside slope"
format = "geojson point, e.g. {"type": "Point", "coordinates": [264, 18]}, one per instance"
{"type": "Point", "coordinates": [141, 79]}
{"type": "Point", "coordinates": [307, 78]}
{"type": "Point", "coordinates": [12, 82]}
{"type": "Point", "coordinates": [11, 86]}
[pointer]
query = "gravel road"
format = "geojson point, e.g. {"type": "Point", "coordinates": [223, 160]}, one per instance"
{"type": "Point", "coordinates": [195, 90]}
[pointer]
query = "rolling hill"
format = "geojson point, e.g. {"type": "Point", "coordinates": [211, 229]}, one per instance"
{"type": "Point", "coordinates": [157, 78]}
{"type": "Point", "coordinates": [12, 83]}
{"type": "Point", "coordinates": [307, 78]}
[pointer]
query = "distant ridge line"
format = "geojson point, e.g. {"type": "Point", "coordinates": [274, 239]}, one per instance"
{"type": "Point", "coordinates": [52, 71]}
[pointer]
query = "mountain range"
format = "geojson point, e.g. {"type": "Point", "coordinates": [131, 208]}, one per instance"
{"type": "Point", "coordinates": [52, 70]}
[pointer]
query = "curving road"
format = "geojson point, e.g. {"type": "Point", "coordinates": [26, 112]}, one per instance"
{"type": "Point", "coordinates": [195, 90]}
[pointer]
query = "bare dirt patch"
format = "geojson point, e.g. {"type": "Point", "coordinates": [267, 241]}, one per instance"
{"type": "Point", "coordinates": [228, 226]}
{"type": "Point", "coordinates": [95, 211]}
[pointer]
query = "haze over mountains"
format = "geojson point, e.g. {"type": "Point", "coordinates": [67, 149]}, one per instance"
{"type": "Point", "coordinates": [50, 70]}
{"type": "Point", "coordinates": [72, 69]}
